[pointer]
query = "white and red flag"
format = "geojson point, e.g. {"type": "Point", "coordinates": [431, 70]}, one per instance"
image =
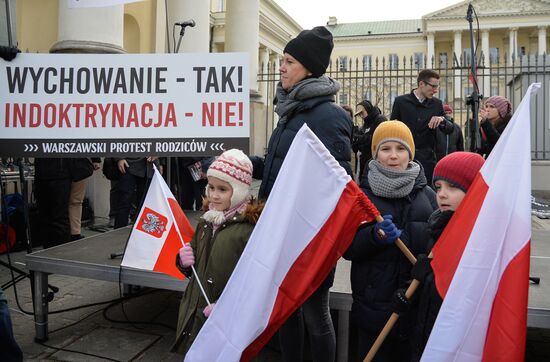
{"type": "Point", "coordinates": [159, 231]}
{"type": "Point", "coordinates": [308, 222]}
{"type": "Point", "coordinates": [481, 262]}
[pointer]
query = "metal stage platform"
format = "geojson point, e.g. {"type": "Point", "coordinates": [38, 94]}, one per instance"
{"type": "Point", "coordinates": [90, 258]}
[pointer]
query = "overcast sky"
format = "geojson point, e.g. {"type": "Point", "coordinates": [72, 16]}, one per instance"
{"type": "Point", "coordinates": [309, 13]}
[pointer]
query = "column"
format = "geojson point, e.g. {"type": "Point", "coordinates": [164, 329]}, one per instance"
{"type": "Point", "coordinates": [161, 45]}
{"type": "Point", "coordinates": [486, 62]}
{"type": "Point", "coordinates": [89, 30]}
{"type": "Point", "coordinates": [195, 39]}
{"type": "Point", "coordinates": [513, 47]}
{"type": "Point", "coordinates": [457, 53]}
{"type": "Point", "coordinates": [542, 40]}
{"type": "Point", "coordinates": [431, 50]}
{"type": "Point", "coordinates": [264, 63]}
{"type": "Point", "coordinates": [242, 33]}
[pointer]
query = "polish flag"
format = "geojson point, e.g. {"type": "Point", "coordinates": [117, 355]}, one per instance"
{"type": "Point", "coordinates": [308, 222]}
{"type": "Point", "coordinates": [481, 262]}
{"type": "Point", "coordinates": [159, 232]}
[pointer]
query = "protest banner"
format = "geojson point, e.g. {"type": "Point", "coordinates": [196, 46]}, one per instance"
{"type": "Point", "coordinates": [77, 105]}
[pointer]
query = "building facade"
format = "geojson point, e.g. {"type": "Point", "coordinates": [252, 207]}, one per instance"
{"type": "Point", "coordinates": [376, 60]}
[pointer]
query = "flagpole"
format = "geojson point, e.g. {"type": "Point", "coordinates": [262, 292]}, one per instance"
{"type": "Point", "coordinates": [181, 239]}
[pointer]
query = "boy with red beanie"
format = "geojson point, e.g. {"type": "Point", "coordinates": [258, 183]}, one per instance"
{"type": "Point", "coordinates": [452, 178]}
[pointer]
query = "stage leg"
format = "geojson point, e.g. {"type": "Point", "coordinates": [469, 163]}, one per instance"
{"type": "Point", "coordinates": [41, 306]}
{"type": "Point", "coordinates": [342, 336]}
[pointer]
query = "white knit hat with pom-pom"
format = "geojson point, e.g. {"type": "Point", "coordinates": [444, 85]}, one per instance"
{"type": "Point", "coordinates": [235, 168]}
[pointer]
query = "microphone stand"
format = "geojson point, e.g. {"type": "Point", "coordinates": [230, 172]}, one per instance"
{"type": "Point", "coordinates": [182, 33]}
{"type": "Point", "coordinates": [177, 162]}
{"type": "Point", "coordinates": [475, 97]}
{"type": "Point", "coordinates": [8, 22]}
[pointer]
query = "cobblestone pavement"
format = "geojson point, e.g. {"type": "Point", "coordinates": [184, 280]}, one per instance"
{"type": "Point", "coordinates": [139, 329]}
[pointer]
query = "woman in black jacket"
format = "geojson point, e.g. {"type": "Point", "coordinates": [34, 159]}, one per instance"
{"type": "Point", "coordinates": [397, 187]}
{"type": "Point", "coordinates": [371, 119]}
{"type": "Point", "coordinates": [306, 95]}
{"type": "Point", "coordinates": [493, 119]}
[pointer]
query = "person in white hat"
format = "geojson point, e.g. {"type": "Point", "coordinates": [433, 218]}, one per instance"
{"type": "Point", "coordinates": [219, 240]}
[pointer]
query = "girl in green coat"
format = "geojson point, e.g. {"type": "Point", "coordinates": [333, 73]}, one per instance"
{"type": "Point", "coordinates": [218, 243]}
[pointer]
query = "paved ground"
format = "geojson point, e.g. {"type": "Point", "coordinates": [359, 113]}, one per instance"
{"type": "Point", "coordinates": [140, 328]}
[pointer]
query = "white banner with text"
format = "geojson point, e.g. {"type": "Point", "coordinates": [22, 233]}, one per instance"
{"type": "Point", "coordinates": [75, 105]}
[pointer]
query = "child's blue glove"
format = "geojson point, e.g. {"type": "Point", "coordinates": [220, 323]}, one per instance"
{"type": "Point", "coordinates": [386, 232]}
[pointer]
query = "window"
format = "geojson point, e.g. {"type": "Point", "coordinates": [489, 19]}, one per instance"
{"type": "Point", "coordinates": [343, 64]}
{"type": "Point", "coordinates": [343, 98]}
{"type": "Point", "coordinates": [443, 60]}
{"type": "Point", "coordinates": [467, 58]}
{"type": "Point", "coordinates": [419, 60]}
{"type": "Point", "coordinates": [494, 55]}
{"type": "Point", "coordinates": [522, 51]}
{"type": "Point", "coordinates": [494, 90]}
{"type": "Point", "coordinates": [393, 61]}
{"type": "Point", "coordinates": [367, 62]}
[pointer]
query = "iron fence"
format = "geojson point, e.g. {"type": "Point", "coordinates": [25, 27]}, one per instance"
{"type": "Point", "coordinates": [382, 79]}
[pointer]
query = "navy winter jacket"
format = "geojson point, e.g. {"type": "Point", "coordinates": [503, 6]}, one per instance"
{"type": "Point", "coordinates": [377, 271]}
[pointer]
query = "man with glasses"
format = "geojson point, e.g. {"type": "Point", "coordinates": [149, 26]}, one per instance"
{"type": "Point", "coordinates": [423, 114]}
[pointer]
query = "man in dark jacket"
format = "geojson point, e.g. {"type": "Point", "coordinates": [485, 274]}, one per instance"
{"type": "Point", "coordinates": [423, 114]}
{"type": "Point", "coordinates": [362, 143]}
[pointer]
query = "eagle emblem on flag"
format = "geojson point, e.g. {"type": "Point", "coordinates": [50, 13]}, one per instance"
{"type": "Point", "coordinates": [152, 223]}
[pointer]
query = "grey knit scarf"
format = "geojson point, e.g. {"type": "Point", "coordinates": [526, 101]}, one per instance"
{"type": "Point", "coordinates": [292, 101]}
{"type": "Point", "coordinates": [392, 183]}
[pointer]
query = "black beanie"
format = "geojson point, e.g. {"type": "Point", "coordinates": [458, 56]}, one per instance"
{"type": "Point", "coordinates": [312, 48]}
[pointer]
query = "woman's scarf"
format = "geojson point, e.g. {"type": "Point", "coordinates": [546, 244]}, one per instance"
{"type": "Point", "coordinates": [288, 103]}
{"type": "Point", "coordinates": [392, 183]}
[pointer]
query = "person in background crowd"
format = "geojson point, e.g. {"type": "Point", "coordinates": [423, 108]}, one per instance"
{"type": "Point", "coordinates": [52, 189]}
{"type": "Point", "coordinates": [219, 240]}
{"type": "Point", "coordinates": [372, 117]}
{"type": "Point", "coordinates": [306, 95]}
{"type": "Point", "coordinates": [78, 190]}
{"type": "Point", "coordinates": [449, 143]}
{"type": "Point", "coordinates": [453, 176]}
{"type": "Point", "coordinates": [132, 185]}
{"type": "Point", "coordinates": [192, 181]}
{"type": "Point", "coordinates": [397, 187]}
{"type": "Point", "coordinates": [493, 119]}
{"type": "Point", "coordinates": [423, 114]}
